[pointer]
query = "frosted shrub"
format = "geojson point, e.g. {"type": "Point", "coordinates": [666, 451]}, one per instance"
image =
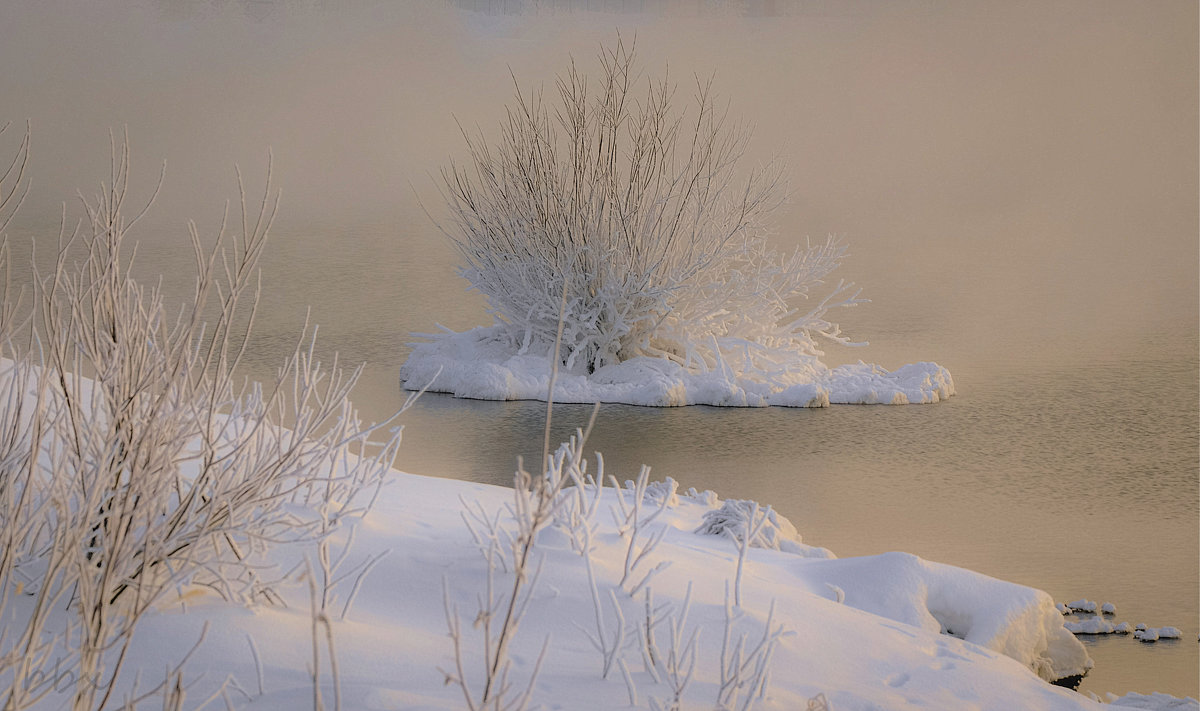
{"type": "Point", "coordinates": [628, 214]}
{"type": "Point", "coordinates": [134, 461]}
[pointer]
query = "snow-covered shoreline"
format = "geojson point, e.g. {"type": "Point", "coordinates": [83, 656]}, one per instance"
{"type": "Point", "coordinates": [639, 575]}
{"type": "Point", "coordinates": [484, 363]}
{"type": "Point", "coordinates": [881, 647]}
{"type": "Point", "coordinates": [887, 631]}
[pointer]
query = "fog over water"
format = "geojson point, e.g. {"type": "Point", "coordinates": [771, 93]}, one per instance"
{"type": "Point", "coordinates": [1017, 182]}
{"type": "Point", "coordinates": [1035, 163]}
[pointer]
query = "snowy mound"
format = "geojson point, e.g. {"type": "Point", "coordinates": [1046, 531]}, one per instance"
{"type": "Point", "coordinates": [1014, 620]}
{"type": "Point", "coordinates": [732, 519]}
{"type": "Point", "coordinates": [485, 364]}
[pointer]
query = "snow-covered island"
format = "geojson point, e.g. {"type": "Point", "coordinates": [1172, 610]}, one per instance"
{"type": "Point", "coordinates": [488, 363]}
{"type": "Point", "coordinates": [614, 237]}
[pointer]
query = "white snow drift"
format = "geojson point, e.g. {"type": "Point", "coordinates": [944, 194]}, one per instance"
{"type": "Point", "coordinates": [893, 643]}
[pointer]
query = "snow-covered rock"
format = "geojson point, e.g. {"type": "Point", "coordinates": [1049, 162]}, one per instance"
{"type": "Point", "coordinates": [484, 363]}
{"type": "Point", "coordinates": [1153, 634]}
{"type": "Point", "coordinates": [1096, 625]}
{"type": "Point", "coordinates": [1082, 605]}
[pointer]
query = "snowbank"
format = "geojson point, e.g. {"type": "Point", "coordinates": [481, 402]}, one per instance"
{"type": "Point", "coordinates": [890, 645]}
{"type": "Point", "coordinates": [1014, 620]}
{"type": "Point", "coordinates": [484, 364]}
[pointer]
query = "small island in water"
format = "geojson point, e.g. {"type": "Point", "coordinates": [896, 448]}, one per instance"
{"type": "Point", "coordinates": [619, 248]}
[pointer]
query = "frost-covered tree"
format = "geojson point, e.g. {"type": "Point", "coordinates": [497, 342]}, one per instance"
{"type": "Point", "coordinates": [624, 208]}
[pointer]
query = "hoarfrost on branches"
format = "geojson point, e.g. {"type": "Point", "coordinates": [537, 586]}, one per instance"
{"type": "Point", "coordinates": [630, 217]}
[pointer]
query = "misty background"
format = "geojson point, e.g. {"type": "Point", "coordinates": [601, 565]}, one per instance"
{"type": "Point", "coordinates": [1028, 168]}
